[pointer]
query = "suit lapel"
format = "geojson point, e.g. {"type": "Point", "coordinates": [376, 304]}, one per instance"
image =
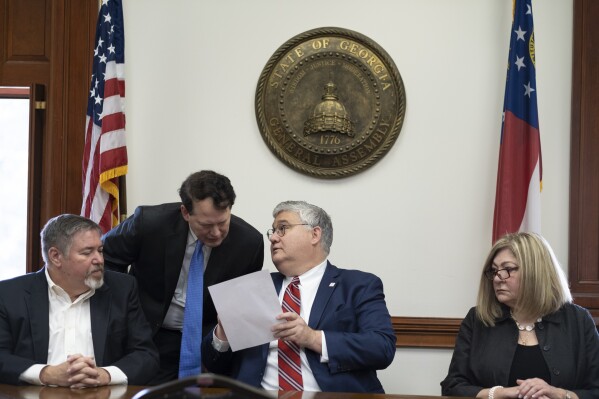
{"type": "Point", "coordinates": [38, 306]}
{"type": "Point", "coordinates": [174, 253]}
{"type": "Point", "coordinates": [277, 279]}
{"type": "Point", "coordinates": [100, 315]}
{"type": "Point", "coordinates": [323, 294]}
{"type": "Point", "coordinates": [326, 287]}
{"type": "Point", "coordinates": [213, 272]}
{"type": "Point", "coordinates": [219, 256]}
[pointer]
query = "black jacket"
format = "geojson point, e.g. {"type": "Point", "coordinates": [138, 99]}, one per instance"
{"type": "Point", "coordinates": [483, 356]}
{"type": "Point", "coordinates": [153, 242]}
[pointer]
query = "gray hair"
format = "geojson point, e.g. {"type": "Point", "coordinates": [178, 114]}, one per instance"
{"type": "Point", "coordinates": [60, 230]}
{"type": "Point", "coordinates": [313, 216]}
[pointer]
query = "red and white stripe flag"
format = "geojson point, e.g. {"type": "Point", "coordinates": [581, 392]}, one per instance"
{"type": "Point", "coordinates": [520, 172]}
{"type": "Point", "coordinates": [105, 152]}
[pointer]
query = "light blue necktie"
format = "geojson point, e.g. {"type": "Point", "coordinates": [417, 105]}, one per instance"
{"type": "Point", "coordinates": [190, 363]}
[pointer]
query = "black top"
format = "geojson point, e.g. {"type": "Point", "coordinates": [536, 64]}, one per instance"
{"type": "Point", "coordinates": [528, 363]}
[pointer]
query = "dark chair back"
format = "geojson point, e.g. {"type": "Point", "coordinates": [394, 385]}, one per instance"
{"type": "Point", "coordinates": [192, 387]}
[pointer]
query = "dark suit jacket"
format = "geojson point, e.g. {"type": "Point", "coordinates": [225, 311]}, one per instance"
{"type": "Point", "coordinates": [483, 356]}
{"type": "Point", "coordinates": [120, 332]}
{"type": "Point", "coordinates": [350, 308]}
{"type": "Point", "coordinates": [153, 241]}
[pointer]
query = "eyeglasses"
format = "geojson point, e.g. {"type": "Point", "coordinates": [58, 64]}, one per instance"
{"type": "Point", "coordinates": [282, 229]}
{"type": "Point", "coordinates": [503, 274]}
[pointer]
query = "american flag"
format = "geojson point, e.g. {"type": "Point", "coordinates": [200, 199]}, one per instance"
{"type": "Point", "coordinates": [105, 152]}
{"type": "Point", "coordinates": [520, 172]}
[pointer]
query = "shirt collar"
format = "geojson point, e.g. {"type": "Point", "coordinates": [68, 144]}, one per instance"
{"type": "Point", "coordinates": [191, 237]}
{"type": "Point", "coordinates": [555, 317]}
{"type": "Point", "coordinates": [57, 290]}
{"type": "Point", "coordinates": [314, 274]}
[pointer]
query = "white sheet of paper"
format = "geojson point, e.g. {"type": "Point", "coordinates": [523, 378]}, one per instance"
{"type": "Point", "coordinates": [247, 307]}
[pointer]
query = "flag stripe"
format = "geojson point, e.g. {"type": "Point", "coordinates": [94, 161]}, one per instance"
{"type": "Point", "coordinates": [114, 136]}
{"type": "Point", "coordinates": [531, 216]}
{"type": "Point", "coordinates": [91, 177]}
{"type": "Point", "coordinates": [517, 162]}
{"type": "Point", "coordinates": [86, 168]}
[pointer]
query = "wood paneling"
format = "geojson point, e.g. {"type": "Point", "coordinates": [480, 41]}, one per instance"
{"type": "Point", "coordinates": [425, 332]}
{"type": "Point", "coordinates": [25, 45]}
{"type": "Point", "coordinates": [583, 264]}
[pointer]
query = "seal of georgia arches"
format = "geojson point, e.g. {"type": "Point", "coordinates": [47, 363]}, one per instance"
{"type": "Point", "coordinates": [330, 103]}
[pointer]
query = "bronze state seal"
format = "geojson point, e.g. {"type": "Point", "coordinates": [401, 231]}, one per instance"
{"type": "Point", "coordinates": [330, 103]}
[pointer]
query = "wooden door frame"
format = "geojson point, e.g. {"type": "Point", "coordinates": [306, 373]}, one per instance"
{"type": "Point", "coordinates": [57, 54]}
{"type": "Point", "coordinates": [583, 262]}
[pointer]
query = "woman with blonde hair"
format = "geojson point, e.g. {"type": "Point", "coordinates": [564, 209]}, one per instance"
{"type": "Point", "coordinates": [525, 338]}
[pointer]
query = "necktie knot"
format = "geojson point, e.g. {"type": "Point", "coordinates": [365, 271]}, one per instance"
{"type": "Point", "coordinates": [292, 297]}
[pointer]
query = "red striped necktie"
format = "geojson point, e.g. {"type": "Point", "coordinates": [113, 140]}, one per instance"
{"type": "Point", "coordinates": [290, 365]}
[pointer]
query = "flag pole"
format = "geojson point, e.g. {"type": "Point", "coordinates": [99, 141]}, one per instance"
{"type": "Point", "coordinates": [122, 198]}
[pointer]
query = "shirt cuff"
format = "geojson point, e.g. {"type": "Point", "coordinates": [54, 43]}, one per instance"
{"type": "Point", "coordinates": [218, 344]}
{"type": "Point", "coordinates": [117, 377]}
{"type": "Point", "coordinates": [324, 357]}
{"type": "Point", "coordinates": [32, 374]}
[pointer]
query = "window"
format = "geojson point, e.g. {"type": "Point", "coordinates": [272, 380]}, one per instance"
{"type": "Point", "coordinates": [14, 161]}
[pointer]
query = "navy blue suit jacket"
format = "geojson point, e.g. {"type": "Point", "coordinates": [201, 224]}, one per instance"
{"type": "Point", "coordinates": [350, 308]}
{"type": "Point", "coordinates": [120, 333]}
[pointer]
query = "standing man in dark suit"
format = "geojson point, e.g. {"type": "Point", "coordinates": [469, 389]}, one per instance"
{"type": "Point", "coordinates": [72, 324]}
{"type": "Point", "coordinates": [348, 334]}
{"type": "Point", "coordinates": [158, 242]}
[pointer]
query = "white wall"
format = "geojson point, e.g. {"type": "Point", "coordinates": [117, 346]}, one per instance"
{"type": "Point", "coordinates": [421, 218]}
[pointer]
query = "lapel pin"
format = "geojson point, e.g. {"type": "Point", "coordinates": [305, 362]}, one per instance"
{"type": "Point", "coordinates": [332, 285]}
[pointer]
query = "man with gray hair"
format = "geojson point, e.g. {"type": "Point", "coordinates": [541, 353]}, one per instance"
{"type": "Point", "coordinates": [335, 329]}
{"type": "Point", "coordinates": [72, 324]}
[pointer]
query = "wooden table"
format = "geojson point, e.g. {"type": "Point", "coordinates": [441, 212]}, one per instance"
{"type": "Point", "coordinates": [126, 392]}
{"type": "Point", "coordinates": [30, 392]}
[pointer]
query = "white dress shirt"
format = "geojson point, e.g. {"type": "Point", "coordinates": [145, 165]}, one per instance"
{"type": "Point", "coordinates": [308, 287]}
{"type": "Point", "coordinates": [69, 332]}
